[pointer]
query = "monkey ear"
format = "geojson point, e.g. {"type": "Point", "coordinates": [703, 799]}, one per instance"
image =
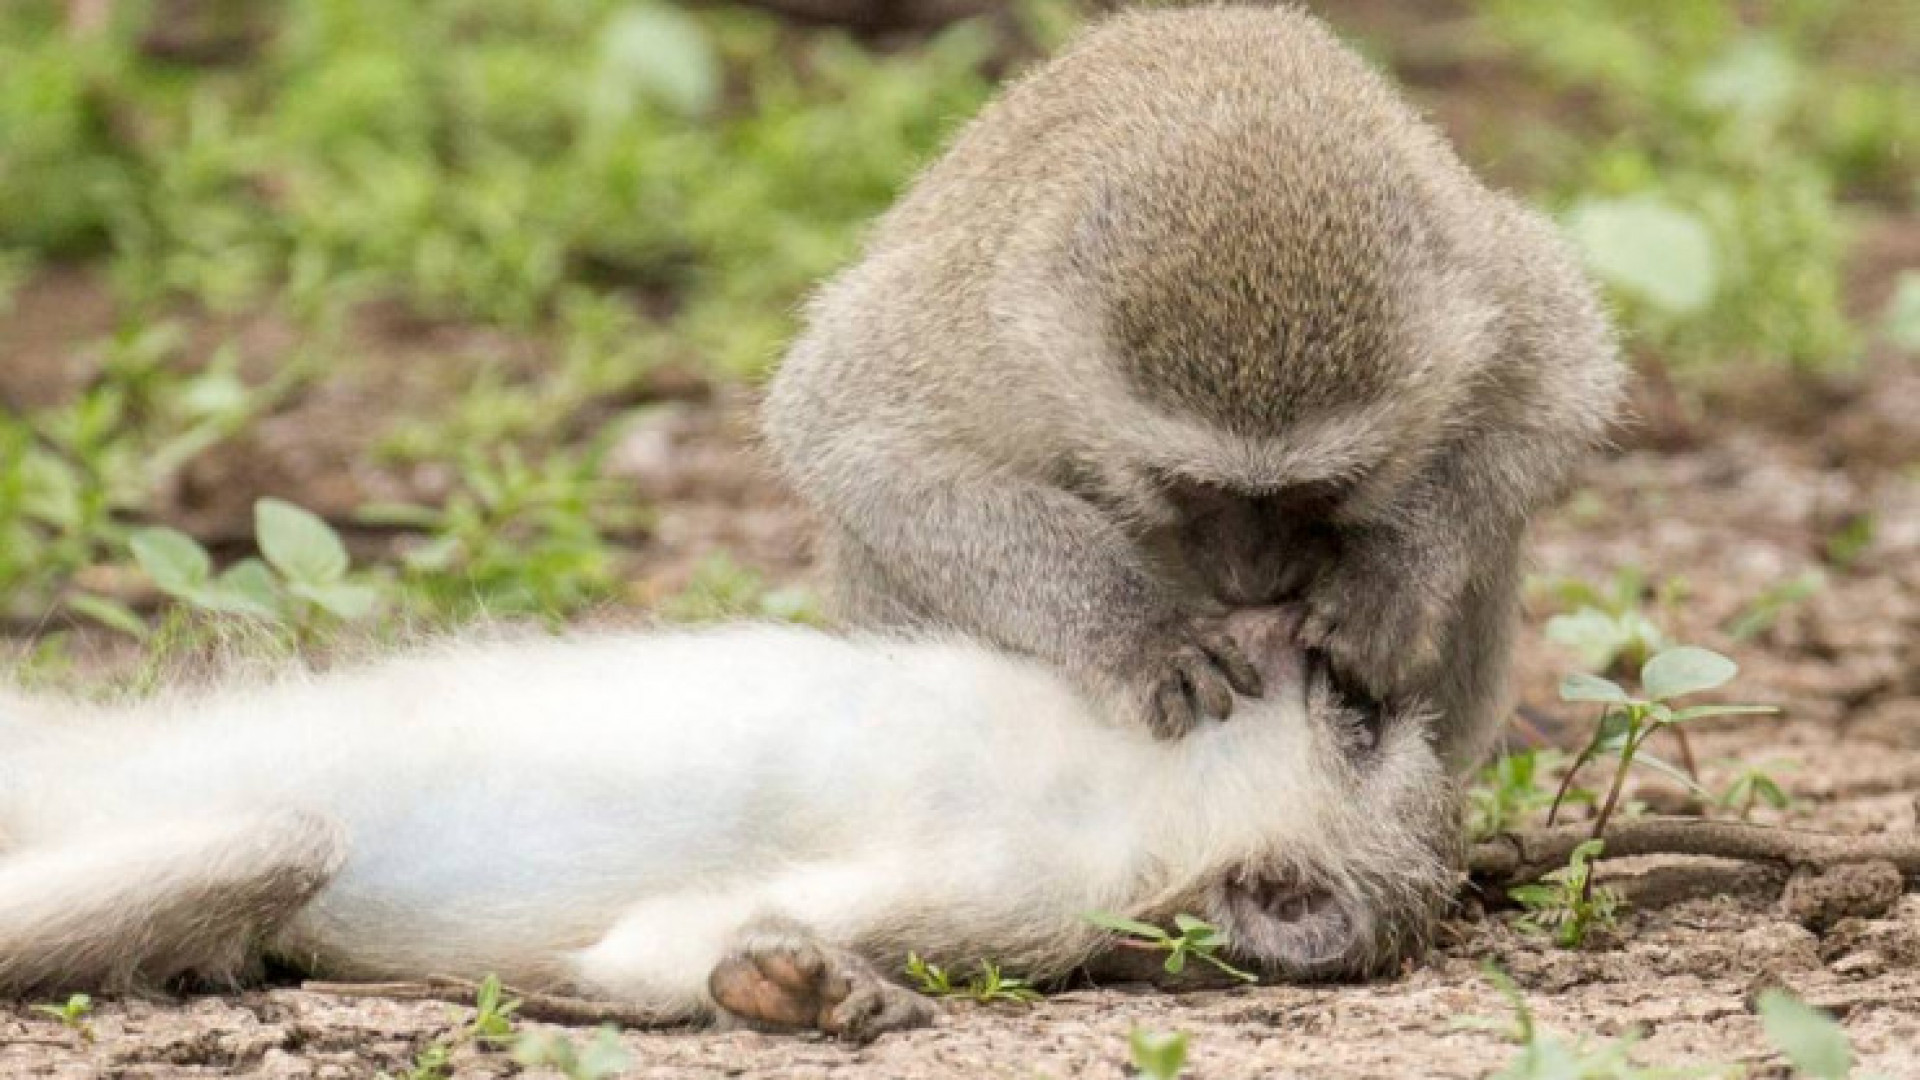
{"type": "Point", "coordinates": [1290, 925]}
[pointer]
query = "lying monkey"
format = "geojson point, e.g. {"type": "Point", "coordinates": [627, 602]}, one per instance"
{"type": "Point", "coordinates": [756, 823]}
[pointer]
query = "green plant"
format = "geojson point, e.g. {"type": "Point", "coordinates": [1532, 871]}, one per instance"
{"type": "Point", "coordinates": [1774, 601]}
{"type": "Point", "coordinates": [1605, 625]}
{"type": "Point", "coordinates": [1750, 786]}
{"type": "Point", "coordinates": [1812, 1042]}
{"type": "Point", "coordinates": [493, 1011]}
{"type": "Point", "coordinates": [987, 985]}
{"type": "Point", "coordinates": [516, 537]}
{"type": "Point", "coordinates": [1846, 544]}
{"type": "Point", "coordinates": [1547, 1056]}
{"type": "Point", "coordinates": [72, 1014]}
{"type": "Point", "coordinates": [601, 1057]}
{"type": "Point", "coordinates": [1512, 788]}
{"type": "Point", "coordinates": [1717, 150]}
{"type": "Point", "coordinates": [1627, 722]}
{"type": "Point", "coordinates": [1566, 903]}
{"type": "Point", "coordinates": [722, 589]}
{"type": "Point", "coordinates": [1158, 1055]}
{"type": "Point", "coordinates": [302, 581]}
{"type": "Point", "coordinates": [432, 1062]}
{"type": "Point", "coordinates": [491, 1025]}
{"type": "Point", "coordinates": [1196, 938]}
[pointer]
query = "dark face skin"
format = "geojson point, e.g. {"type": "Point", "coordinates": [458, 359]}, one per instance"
{"type": "Point", "coordinates": [1251, 551]}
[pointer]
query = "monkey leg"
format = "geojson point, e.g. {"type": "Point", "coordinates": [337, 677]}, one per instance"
{"type": "Point", "coordinates": [779, 976]}
{"type": "Point", "coordinates": [758, 957]}
{"type": "Point", "coordinates": [122, 907]}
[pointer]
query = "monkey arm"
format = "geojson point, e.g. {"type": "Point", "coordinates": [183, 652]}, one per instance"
{"type": "Point", "coordinates": [962, 543]}
{"type": "Point", "coordinates": [1422, 601]}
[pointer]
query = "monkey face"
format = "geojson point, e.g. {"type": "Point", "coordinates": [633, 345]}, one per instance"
{"type": "Point", "coordinates": [1368, 901]}
{"type": "Point", "coordinates": [1248, 550]}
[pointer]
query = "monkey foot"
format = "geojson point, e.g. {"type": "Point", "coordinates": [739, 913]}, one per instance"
{"type": "Point", "coordinates": [780, 978]}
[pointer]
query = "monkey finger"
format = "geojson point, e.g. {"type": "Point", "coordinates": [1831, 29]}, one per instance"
{"type": "Point", "coordinates": [1317, 630]}
{"type": "Point", "coordinates": [1170, 713]}
{"type": "Point", "coordinates": [1205, 682]}
{"type": "Point", "coordinates": [1226, 652]}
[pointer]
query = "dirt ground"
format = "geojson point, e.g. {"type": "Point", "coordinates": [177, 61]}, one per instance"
{"type": "Point", "coordinates": [1728, 514]}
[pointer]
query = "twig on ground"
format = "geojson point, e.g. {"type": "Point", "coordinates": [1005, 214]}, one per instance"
{"type": "Point", "coordinates": [546, 1008]}
{"type": "Point", "coordinates": [1517, 858]}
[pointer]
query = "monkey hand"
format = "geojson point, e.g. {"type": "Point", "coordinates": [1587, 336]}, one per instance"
{"type": "Point", "coordinates": [1187, 673]}
{"type": "Point", "coordinates": [1380, 629]}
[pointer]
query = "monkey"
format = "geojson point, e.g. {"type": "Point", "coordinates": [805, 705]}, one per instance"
{"type": "Point", "coordinates": [748, 824]}
{"type": "Point", "coordinates": [1199, 315]}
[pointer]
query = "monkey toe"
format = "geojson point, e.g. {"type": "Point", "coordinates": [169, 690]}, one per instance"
{"type": "Point", "coordinates": [774, 979]}
{"type": "Point", "coordinates": [875, 1007]}
{"type": "Point", "coordinates": [782, 979]}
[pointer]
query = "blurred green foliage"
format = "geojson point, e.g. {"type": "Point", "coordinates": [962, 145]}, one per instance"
{"type": "Point", "coordinates": [478, 159]}
{"type": "Point", "coordinates": [588, 192]}
{"type": "Point", "coordinates": [1708, 167]}
{"type": "Point", "coordinates": [619, 184]}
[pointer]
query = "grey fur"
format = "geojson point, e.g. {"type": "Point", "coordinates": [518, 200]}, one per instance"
{"type": "Point", "coordinates": [1203, 254]}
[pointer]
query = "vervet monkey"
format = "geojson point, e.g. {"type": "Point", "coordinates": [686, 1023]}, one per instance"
{"type": "Point", "coordinates": [1197, 316]}
{"type": "Point", "coordinates": [753, 822]}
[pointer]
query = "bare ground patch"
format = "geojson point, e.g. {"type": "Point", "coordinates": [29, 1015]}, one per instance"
{"type": "Point", "coordinates": [1732, 516]}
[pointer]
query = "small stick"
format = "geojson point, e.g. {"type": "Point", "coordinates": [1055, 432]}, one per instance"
{"type": "Point", "coordinates": [1518, 857]}
{"type": "Point", "coordinates": [546, 1008]}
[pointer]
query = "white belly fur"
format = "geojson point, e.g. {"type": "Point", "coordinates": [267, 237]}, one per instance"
{"type": "Point", "coordinates": [505, 805]}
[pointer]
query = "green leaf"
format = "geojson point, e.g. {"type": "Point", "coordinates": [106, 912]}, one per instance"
{"type": "Point", "coordinates": [1121, 925]}
{"type": "Point", "coordinates": [1671, 772]}
{"type": "Point", "coordinates": [401, 515]}
{"type": "Point", "coordinates": [1533, 895]}
{"type": "Point", "coordinates": [1811, 1040]}
{"type": "Point", "coordinates": [1695, 712]}
{"type": "Point", "coordinates": [175, 561]}
{"type": "Point", "coordinates": [1771, 792]}
{"type": "Point", "coordinates": [1756, 77]}
{"type": "Point", "coordinates": [350, 603]}
{"type": "Point", "coordinates": [1177, 959]}
{"type": "Point", "coordinates": [1228, 969]}
{"type": "Point", "coordinates": [298, 543]}
{"type": "Point", "coordinates": [436, 556]}
{"type": "Point", "coordinates": [1581, 686]}
{"type": "Point", "coordinates": [1159, 1055]}
{"type": "Point", "coordinates": [1650, 249]}
{"type": "Point", "coordinates": [109, 613]}
{"type": "Point", "coordinates": [1612, 732]}
{"type": "Point", "coordinates": [604, 1057]}
{"type": "Point", "coordinates": [250, 581]}
{"type": "Point", "coordinates": [656, 52]}
{"type": "Point", "coordinates": [1194, 926]}
{"type": "Point", "coordinates": [1685, 669]}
